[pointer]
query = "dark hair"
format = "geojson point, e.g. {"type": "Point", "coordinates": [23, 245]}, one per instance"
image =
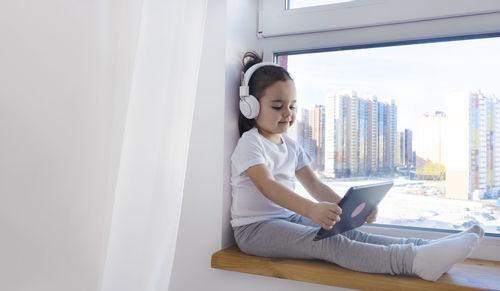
{"type": "Point", "coordinates": [262, 78]}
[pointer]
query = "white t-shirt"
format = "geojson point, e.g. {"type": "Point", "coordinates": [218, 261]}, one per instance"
{"type": "Point", "coordinates": [249, 204]}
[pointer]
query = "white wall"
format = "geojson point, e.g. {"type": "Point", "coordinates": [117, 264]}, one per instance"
{"type": "Point", "coordinates": [204, 225]}
{"type": "Point", "coordinates": [61, 125]}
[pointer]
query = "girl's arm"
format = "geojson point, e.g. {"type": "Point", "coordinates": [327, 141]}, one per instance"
{"type": "Point", "coordinates": [322, 192]}
{"type": "Point", "coordinates": [325, 214]}
{"type": "Point", "coordinates": [315, 187]}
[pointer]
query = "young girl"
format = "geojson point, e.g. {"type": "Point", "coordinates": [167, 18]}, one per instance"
{"type": "Point", "coordinates": [270, 219]}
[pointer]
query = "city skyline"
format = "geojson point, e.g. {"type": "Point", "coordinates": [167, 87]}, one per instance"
{"type": "Point", "coordinates": [357, 137]}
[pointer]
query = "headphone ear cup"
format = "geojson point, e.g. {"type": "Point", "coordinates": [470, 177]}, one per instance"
{"type": "Point", "coordinates": [249, 106]}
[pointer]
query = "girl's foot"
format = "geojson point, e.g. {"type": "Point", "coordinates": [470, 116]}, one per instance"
{"type": "Point", "coordinates": [436, 258]}
{"type": "Point", "coordinates": [473, 229]}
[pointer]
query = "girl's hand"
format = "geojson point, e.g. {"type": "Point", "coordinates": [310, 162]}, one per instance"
{"type": "Point", "coordinates": [372, 216]}
{"type": "Point", "coordinates": [324, 214]}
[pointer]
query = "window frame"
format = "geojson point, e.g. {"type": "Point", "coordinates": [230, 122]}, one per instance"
{"type": "Point", "coordinates": [276, 20]}
{"type": "Point", "coordinates": [469, 25]}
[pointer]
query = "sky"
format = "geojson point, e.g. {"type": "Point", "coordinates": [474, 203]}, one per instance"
{"type": "Point", "coordinates": [417, 76]}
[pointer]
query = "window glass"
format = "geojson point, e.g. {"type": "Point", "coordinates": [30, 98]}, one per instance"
{"type": "Point", "coordinates": [425, 115]}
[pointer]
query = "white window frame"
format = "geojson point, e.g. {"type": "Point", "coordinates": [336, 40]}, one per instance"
{"type": "Point", "coordinates": [276, 20]}
{"type": "Point", "coordinates": [308, 33]}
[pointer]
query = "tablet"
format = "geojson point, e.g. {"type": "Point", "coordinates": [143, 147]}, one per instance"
{"type": "Point", "coordinates": [357, 204]}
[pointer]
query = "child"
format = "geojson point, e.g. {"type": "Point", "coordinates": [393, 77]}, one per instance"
{"type": "Point", "coordinates": [270, 219]}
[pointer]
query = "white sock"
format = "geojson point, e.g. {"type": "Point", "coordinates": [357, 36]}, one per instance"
{"type": "Point", "coordinates": [473, 229]}
{"type": "Point", "coordinates": [434, 259]}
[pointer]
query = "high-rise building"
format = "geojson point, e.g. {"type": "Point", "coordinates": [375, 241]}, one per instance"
{"type": "Point", "coordinates": [330, 136]}
{"type": "Point", "coordinates": [372, 135]}
{"type": "Point", "coordinates": [364, 163]}
{"type": "Point", "coordinates": [317, 122]}
{"type": "Point", "coordinates": [387, 133]}
{"type": "Point", "coordinates": [360, 135]}
{"type": "Point", "coordinates": [472, 146]}
{"type": "Point", "coordinates": [393, 133]}
{"type": "Point", "coordinates": [400, 149]}
{"type": "Point", "coordinates": [352, 133]}
{"type": "Point", "coordinates": [408, 150]}
{"type": "Point", "coordinates": [336, 137]}
{"type": "Point", "coordinates": [456, 146]}
{"type": "Point", "coordinates": [484, 145]}
{"type": "Point", "coordinates": [428, 143]}
{"type": "Point", "coordinates": [311, 134]}
{"type": "Point", "coordinates": [382, 132]}
{"type": "Point", "coordinates": [304, 134]}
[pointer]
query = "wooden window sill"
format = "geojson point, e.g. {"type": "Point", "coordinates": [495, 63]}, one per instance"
{"type": "Point", "coordinates": [469, 275]}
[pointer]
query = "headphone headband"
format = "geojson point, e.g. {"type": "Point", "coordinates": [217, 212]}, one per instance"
{"type": "Point", "coordinates": [248, 74]}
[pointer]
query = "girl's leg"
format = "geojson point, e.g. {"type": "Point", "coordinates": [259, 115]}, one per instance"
{"type": "Point", "coordinates": [369, 238]}
{"type": "Point", "coordinates": [382, 239]}
{"type": "Point", "coordinates": [431, 258]}
{"type": "Point", "coordinates": [285, 239]}
{"type": "Point", "coordinates": [446, 251]}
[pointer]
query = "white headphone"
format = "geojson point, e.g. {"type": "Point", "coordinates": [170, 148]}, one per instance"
{"type": "Point", "coordinates": [249, 104]}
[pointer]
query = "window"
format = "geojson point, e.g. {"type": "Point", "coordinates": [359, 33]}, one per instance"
{"type": "Point", "coordinates": [316, 31]}
{"type": "Point", "coordinates": [400, 112]}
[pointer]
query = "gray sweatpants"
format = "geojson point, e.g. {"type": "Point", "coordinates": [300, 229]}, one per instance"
{"type": "Point", "coordinates": [355, 250]}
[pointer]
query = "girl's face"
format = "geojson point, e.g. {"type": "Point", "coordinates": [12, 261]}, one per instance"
{"type": "Point", "coordinates": [277, 110]}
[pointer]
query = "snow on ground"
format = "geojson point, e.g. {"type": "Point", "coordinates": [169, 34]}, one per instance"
{"type": "Point", "coordinates": [421, 204]}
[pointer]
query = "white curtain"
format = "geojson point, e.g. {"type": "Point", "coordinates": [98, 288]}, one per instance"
{"type": "Point", "coordinates": [150, 181]}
